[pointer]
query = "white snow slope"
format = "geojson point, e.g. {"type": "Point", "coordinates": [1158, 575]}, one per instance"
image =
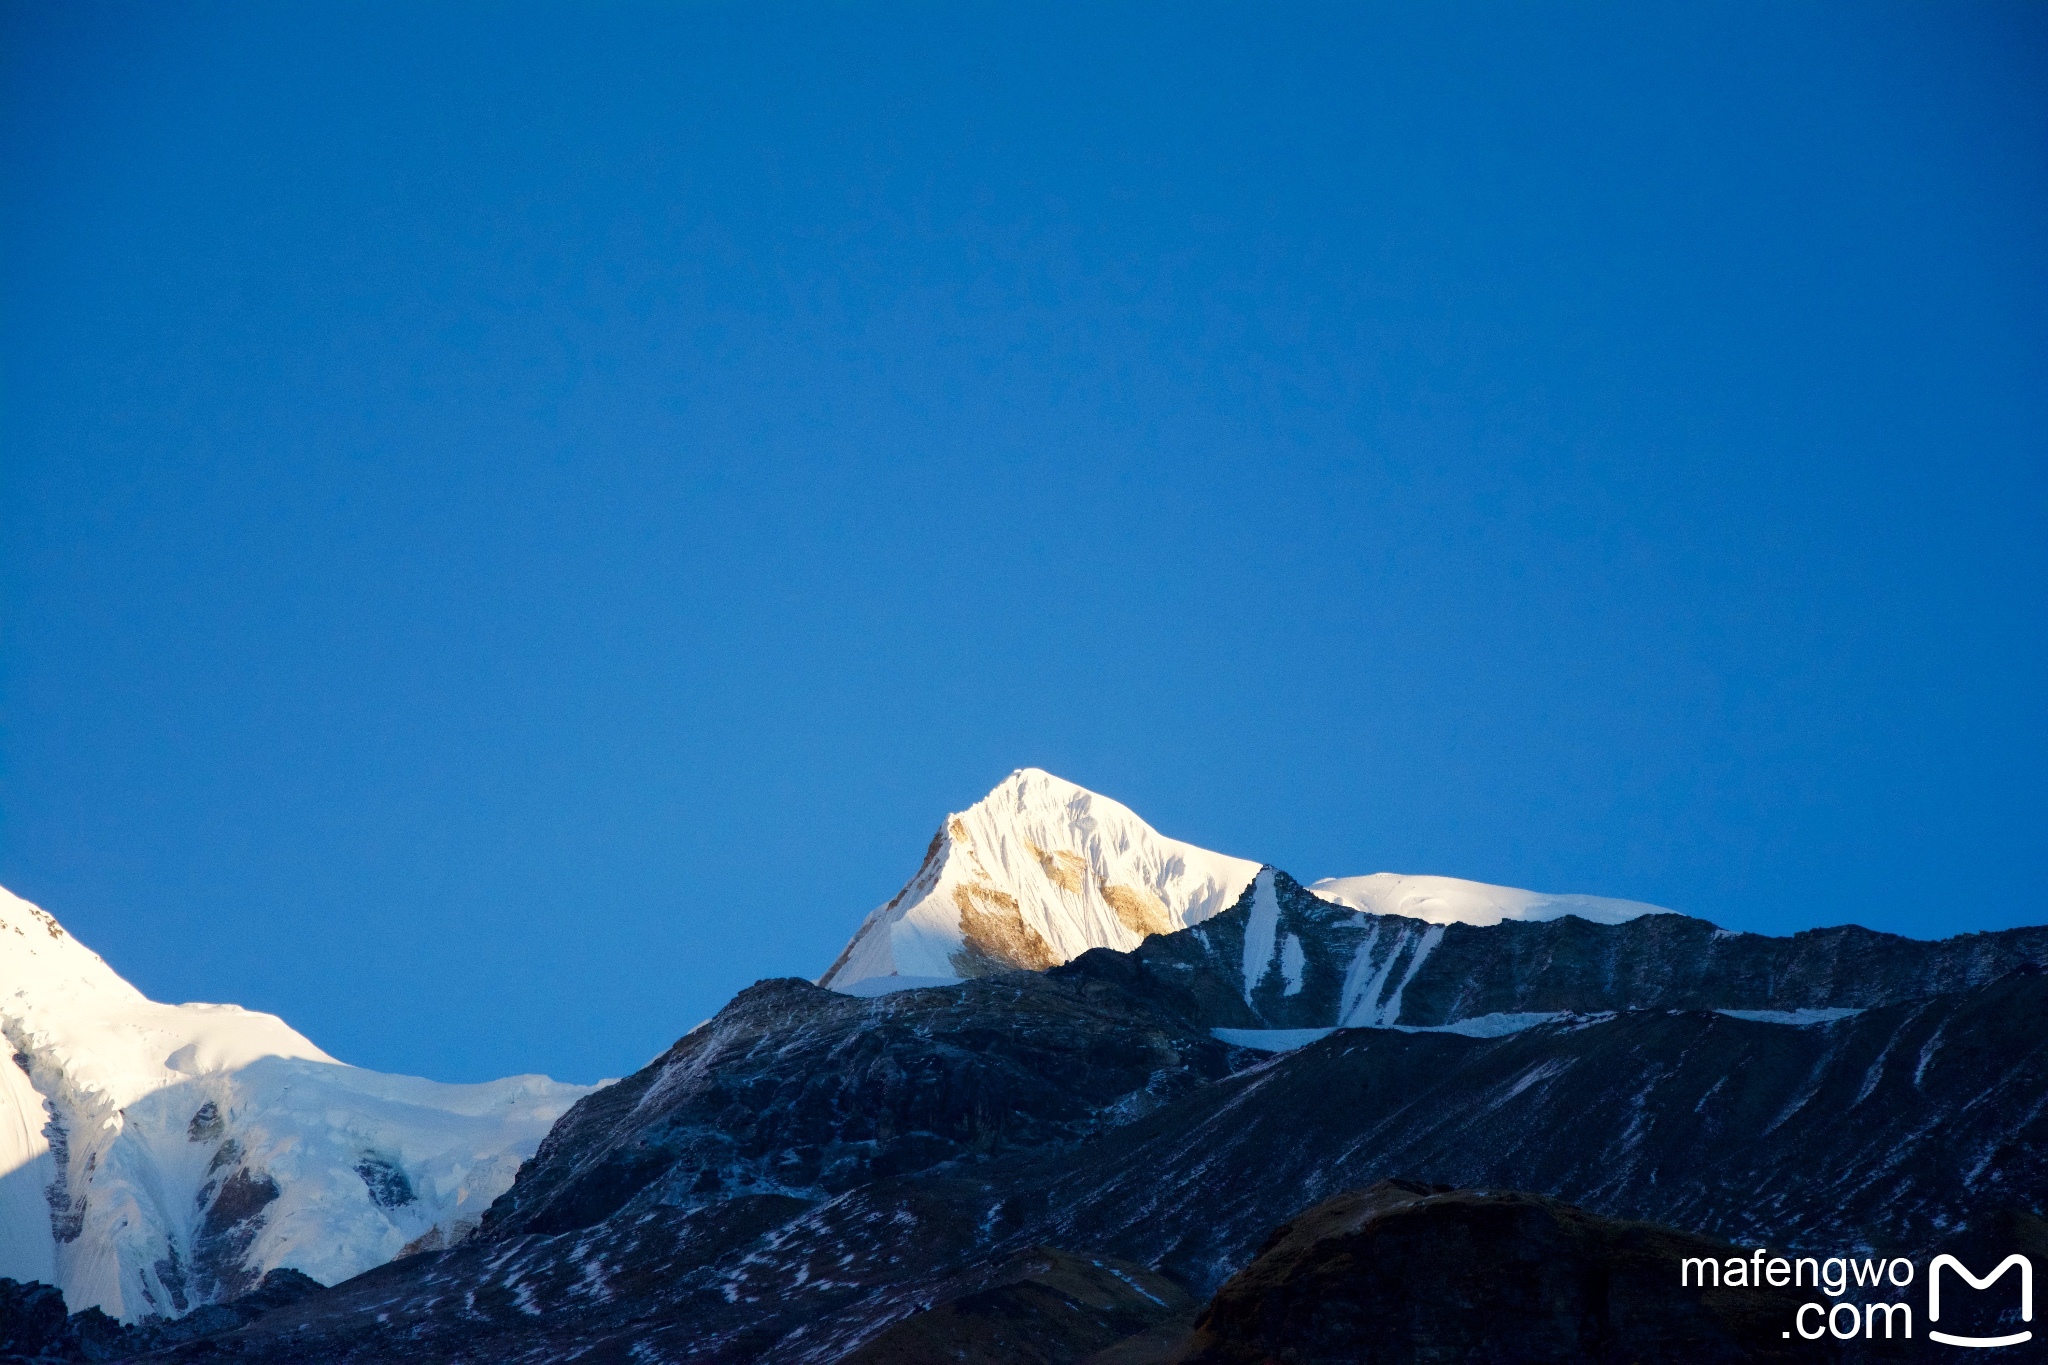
{"type": "Point", "coordinates": [1450, 900]}
{"type": "Point", "coordinates": [157, 1157]}
{"type": "Point", "coordinates": [1039, 871]}
{"type": "Point", "coordinates": [1035, 873]}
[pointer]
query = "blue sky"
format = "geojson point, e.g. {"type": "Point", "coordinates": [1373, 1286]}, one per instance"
{"type": "Point", "coordinates": [519, 521]}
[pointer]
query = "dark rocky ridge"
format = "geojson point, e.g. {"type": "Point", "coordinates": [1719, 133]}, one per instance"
{"type": "Point", "coordinates": [1355, 964]}
{"type": "Point", "coordinates": [35, 1329]}
{"type": "Point", "coordinates": [800, 1091]}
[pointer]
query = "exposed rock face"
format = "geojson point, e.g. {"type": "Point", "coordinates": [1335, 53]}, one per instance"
{"type": "Point", "coordinates": [236, 1210]}
{"type": "Point", "coordinates": [800, 1091]}
{"type": "Point", "coordinates": [1402, 1274]}
{"type": "Point", "coordinates": [993, 935]}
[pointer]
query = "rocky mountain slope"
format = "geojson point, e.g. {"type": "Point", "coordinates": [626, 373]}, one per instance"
{"type": "Point", "coordinates": [1885, 1128]}
{"type": "Point", "coordinates": [155, 1158]}
{"type": "Point", "coordinates": [914, 1179]}
{"type": "Point", "coordinates": [801, 1092]}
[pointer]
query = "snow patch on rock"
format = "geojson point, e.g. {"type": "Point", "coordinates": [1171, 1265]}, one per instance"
{"type": "Point", "coordinates": [1271, 1039]}
{"type": "Point", "coordinates": [1796, 1018]}
{"type": "Point", "coordinates": [1480, 1026]}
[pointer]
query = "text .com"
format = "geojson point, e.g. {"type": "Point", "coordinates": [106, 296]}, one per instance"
{"type": "Point", "coordinates": [1838, 1277]}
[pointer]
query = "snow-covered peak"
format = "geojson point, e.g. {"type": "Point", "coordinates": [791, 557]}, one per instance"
{"type": "Point", "coordinates": [1452, 900]}
{"type": "Point", "coordinates": [1034, 874]}
{"type": "Point", "coordinates": [157, 1157]}
{"type": "Point", "coordinates": [61, 997]}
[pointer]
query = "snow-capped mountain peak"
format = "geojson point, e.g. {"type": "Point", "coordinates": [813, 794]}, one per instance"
{"type": "Point", "coordinates": [1035, 873]}
{"type": "Point", "coordinates": [1040, 870]}
{"type": "Point", "coordinates": [114, 1040]}
{"type": "Point", "coordinates": [157, 1157]}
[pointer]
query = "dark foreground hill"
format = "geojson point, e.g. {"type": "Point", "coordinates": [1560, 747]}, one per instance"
{"type": "Point", "coordinates": [1406, 1274]}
